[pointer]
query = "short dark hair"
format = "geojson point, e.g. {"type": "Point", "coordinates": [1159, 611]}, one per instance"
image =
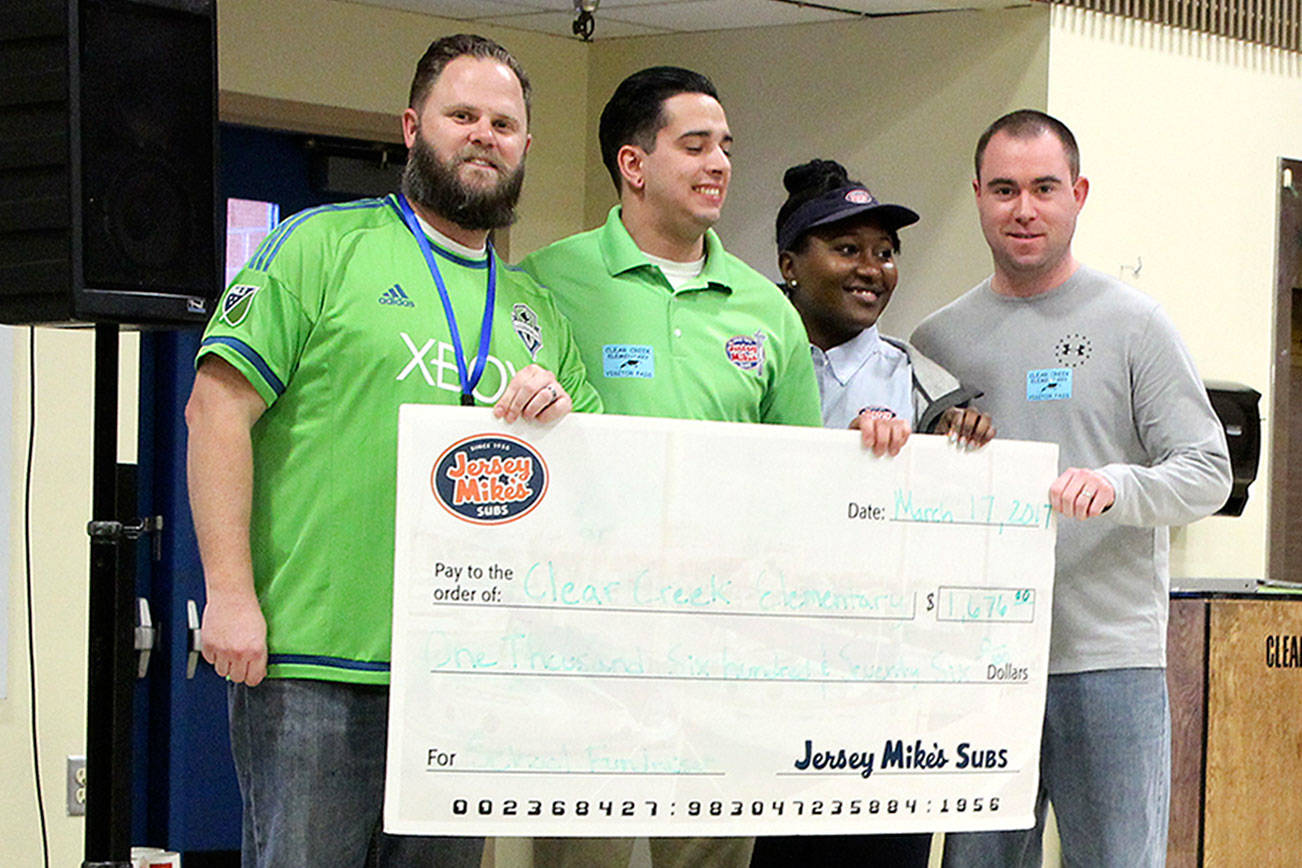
{"type": "Point", "coordinates": [635, 112]}
{"type": "Point", "coordinates": [443, 51]}
{"type": "Point", "coordinates": [1026, 124]}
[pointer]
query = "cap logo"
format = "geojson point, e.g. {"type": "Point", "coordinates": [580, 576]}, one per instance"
{"type": "Point", "coordinates": [859, 197]}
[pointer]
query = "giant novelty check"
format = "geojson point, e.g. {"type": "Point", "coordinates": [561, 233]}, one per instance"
{"type": "Point", "coordinates": [619, 626]}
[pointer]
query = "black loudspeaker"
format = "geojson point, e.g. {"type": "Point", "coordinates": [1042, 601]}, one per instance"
{"type": "Point", "coordinates": [108, 158]}
{"type": "Point", "coordinates": [1236, 405]}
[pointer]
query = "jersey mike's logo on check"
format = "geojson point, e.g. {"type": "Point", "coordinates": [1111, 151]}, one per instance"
{"type": "Point", "coordinates": [489, 478]}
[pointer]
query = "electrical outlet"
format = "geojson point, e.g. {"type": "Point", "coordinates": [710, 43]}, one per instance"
{"type": "Point", "coordinates": [76, 786]}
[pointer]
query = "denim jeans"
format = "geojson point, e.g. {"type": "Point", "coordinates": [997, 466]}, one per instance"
{"type": "Point", "coordinates": [665, 852]}
{"type": "Point", "coordinates": [309, 757]}
{"type": "Point", "coordinates": [1105, 764]}
{"type": "Point", "coordinates": [862, 851]}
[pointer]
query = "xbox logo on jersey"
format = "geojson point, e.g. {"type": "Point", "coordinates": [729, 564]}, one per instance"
{"type": "Point", "coordinates": [489, 478]}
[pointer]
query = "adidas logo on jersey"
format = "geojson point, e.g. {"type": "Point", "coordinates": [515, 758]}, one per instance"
{"type": "Point", "coordinates": [395, 295]}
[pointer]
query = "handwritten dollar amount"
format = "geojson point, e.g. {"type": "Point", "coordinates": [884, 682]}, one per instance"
{"type": "Point", "coordinates": [982, 604]}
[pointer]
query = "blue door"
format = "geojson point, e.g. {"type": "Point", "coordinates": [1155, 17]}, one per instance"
{"type": "Point", "coordinates": [185, 797]}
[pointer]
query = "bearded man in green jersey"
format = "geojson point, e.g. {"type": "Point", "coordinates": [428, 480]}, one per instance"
{"type": "Point", "coordinates": [343, 313]}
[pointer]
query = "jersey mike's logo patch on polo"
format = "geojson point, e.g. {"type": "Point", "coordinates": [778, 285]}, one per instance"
{"type": "Point", "coordinates": [526, 325]}
{"type": "Point", "coordinates": [875, 412]}
{"type": "Point", "coordinates": [746, 351]}
{"type": "Point", "coordinates": [235, 304]}
{"type": "Point", "coordinates": [489, 479]}
{"type": "Point", "coordinates": [396, 295]}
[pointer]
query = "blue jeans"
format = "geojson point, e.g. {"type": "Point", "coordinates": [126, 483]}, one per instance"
{"type": "Point", "coordinates": [665, 852]}
{"type": "Point", "coordinates": [1105, 764]}
{"type": "Point", "coordinates": [309, 757]}
{"type": "Point", "coordinates": [911, 850]}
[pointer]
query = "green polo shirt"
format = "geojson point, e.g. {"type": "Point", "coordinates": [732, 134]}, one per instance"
{"type": "Point", "coordinates": [728, 348]}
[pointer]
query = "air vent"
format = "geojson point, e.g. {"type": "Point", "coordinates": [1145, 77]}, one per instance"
{"type": "Point", "coordinates": [1276, 23]}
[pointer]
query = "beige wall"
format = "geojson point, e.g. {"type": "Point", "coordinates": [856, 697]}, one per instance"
{"type": "Point", "coordinates": [1180, 134]}
{"type": "Point", "coordinates": [61, 491]}
{"type": "Point", "coordinates": [899, 101]}
{"type": "Point", "coordinates": [362, 57]}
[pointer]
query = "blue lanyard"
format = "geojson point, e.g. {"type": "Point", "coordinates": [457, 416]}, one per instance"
{"type": "Point", "coordinates": [468, 383]}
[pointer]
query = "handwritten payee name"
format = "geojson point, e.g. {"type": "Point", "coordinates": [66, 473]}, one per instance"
{"type": "Point", "coordinates": [769, 592]}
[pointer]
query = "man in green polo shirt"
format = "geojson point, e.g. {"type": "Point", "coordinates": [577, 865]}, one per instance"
{"type": "Point", "coordinates": [670, 324]}
{"type": "Point", "coordinates": [667, 321]}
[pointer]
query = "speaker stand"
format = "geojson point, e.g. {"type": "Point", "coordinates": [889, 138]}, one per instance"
{"type": "Point", "coordinates": [111, 663]}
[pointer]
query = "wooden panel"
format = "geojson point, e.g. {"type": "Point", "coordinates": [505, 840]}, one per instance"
{"type": "Point", "coordinates": [1254, 734]}
{"type": "Point", "coordinates": [1285, 555]}
{"type": "Point", "coordinates": [1185, 673]}
{"type": "Point", "coordinates": [302, 117]}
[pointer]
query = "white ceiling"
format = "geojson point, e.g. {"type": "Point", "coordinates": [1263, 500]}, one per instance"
{"type": "Point", "coordinates": [615, 18]}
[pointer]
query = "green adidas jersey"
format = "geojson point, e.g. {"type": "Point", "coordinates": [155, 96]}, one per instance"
{"type": "Point", "coordinates": [728, 348]}
{"type": "Point", "coordinates": [336, 321]}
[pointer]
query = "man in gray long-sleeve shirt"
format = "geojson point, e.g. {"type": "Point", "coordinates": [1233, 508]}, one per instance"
{"type": "Point", "coordinates": [1068, 354]}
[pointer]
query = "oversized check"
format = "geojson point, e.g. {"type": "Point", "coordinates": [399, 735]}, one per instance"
{"type": "Point", "coordinates": [631, 626]}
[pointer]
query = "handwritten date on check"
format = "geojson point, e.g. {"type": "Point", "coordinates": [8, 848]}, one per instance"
{"type": "Point", "coordinates": [620, 626]}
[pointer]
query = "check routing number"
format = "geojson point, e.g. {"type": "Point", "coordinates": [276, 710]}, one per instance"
{"type": "Point", "coordinates": [632, 626]}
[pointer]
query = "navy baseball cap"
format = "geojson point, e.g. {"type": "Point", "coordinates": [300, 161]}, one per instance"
{"type": "Point", "coordinates": [851, 200]}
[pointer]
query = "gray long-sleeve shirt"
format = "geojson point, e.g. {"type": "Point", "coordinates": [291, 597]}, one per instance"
{"type": "Point", "coordinates": [1097, 367]}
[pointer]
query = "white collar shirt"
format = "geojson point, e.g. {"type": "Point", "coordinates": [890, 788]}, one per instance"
{"type": "Point", "coordinates": [864, 373]}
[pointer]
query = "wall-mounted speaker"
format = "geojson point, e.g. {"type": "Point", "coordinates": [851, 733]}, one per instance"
{"type": "Point", "coordinates": [108, 159]}
{"type": "Point", "coordinates": [1236, 406]}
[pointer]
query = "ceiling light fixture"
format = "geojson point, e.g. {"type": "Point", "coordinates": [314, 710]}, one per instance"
{"type": "Point", "coordinates": [584, 23]}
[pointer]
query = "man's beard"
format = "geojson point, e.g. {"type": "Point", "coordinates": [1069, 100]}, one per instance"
{"type": "Point", "coordinates": [430, 182]}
